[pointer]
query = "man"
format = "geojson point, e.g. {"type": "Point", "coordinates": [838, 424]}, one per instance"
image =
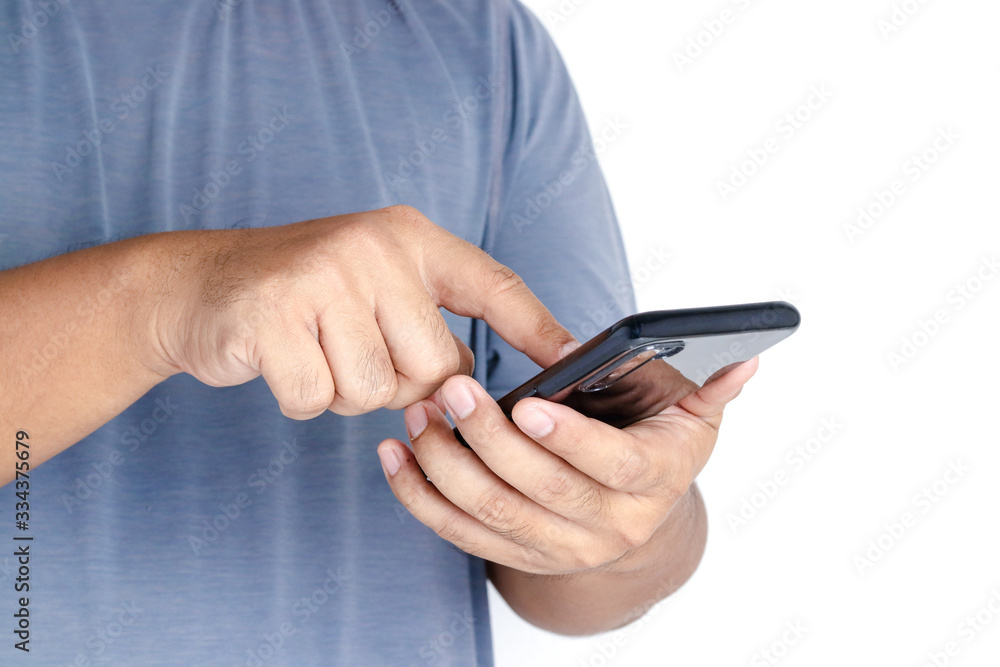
{"type": "Point", "coordinates": [212, 369]}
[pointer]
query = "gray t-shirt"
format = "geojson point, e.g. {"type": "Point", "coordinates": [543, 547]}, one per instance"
{"type": "Point", "coordinates": [201, 527]}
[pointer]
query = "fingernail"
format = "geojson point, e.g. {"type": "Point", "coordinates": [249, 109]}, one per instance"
{"type": "Point", "coordinates": [535, 422]}
{"type": "Point", "coordinates": [459, 400]}
{"type": "Point", "coordinates": [390, 460]}
{"type": "Point", "coordinates": [415, 419]}
{"type": "Point", "coordinates": [568, 347]}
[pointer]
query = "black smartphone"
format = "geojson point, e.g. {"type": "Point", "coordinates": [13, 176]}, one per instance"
{"type": "Point", "coordinates": [649, 361]}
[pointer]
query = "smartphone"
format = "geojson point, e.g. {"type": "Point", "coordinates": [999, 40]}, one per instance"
{"type": "Point", "coordinates": [647, 362]}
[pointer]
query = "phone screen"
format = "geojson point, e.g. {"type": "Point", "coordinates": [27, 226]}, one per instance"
{"type": "Point", "coordinates": [647, 362]}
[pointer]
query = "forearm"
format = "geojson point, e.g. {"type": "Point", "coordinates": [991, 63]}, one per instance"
{"type": "Point", "coordinates": [75, 344]}
{"type": "Point", "coordinates": [601, 600]}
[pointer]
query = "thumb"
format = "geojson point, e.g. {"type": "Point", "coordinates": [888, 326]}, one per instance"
{"type": "Point", "coordinates": [709, 401]}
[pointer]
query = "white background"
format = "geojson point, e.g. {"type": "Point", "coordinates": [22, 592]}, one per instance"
{"type": "Point", "coordinates": [896, 427]}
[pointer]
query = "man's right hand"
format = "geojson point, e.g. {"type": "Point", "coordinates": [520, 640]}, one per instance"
{"type": "Point", "coordinates": [338, 313]}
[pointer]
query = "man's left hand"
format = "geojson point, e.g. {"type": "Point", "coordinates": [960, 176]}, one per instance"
{"type": "Point", "coordinates": [554, 492]}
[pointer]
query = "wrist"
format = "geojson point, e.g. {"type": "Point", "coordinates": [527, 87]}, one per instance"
{"type": "Point", "coordinates": [677, 545]}
{"type": "Point", "coordinates": [155, 271]}
{"type": "Point", "coordinates": [610, 596]}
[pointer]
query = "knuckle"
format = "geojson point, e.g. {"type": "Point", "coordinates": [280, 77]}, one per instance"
{"type": "Point", "coordinates": [374, 378]}
{"type": "Point", "coordinates": [316, 402]}
{"type": "Point", "coordinates": [495, 510]}
{"type": "Point", "coordinates": [505, 283]}
{"type": "Point", "coordinates": [308, 396]}
{"type": "Point", "coordinates": [590, 503]}
{"type": "Point", "coordinates": [674, 489]}
{"type": "Point", "coordinates": [536, 563]}
{"type": "Point", "coordinates": [294, 411]}
{"type": "Point", "coordinates": [405, 214]}
{"type": "Point", "coordinates": [592, 559]}
{"type": "Point", "coordinates": [547, 328]}
{"type": "Point", "coordinates": [355, 243]}
{"type": "Point", "coordinates": [504, 280]}
{"type": "Point", "coordinates": [522, 535]}
{"type": "Point", "coordinates": [554, 489]}
{"type": "Point", "coordinates": [362, 239]}
{"type": "Point", "coordinates": [633, 535]}
{"type": "Point", "coordinates": [629, 469]}
{"type": "Point", "coordinates": [673, 479]}
{"type": "Point", "coordinates": [438, 366]}
{"type": "Point", "coordinates": [584, 557]}
{"type": "Point", "coordinates": [401, 211]}
{"type": "Point", "coordinates": [451, 532]}
{"type": "Point", "coordinates": [441, 358]}
{"type": "Point", "coordinates": [562, 490]}
{"type": "Point", "coordinates": [417, 497]}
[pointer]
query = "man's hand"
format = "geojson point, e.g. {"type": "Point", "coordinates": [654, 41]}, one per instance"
{"type": "Point", "coordinates": [554, 492]}
{"type": "Point", "coordinates": [340, 313]}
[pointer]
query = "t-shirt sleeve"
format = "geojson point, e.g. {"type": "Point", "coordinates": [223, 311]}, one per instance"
{"type": "Point", "coordinates": [555, 226]}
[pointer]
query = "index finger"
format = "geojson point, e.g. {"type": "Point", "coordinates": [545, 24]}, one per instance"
{"type": "Point", "coordinates": [468, 282]}
{"type": "Point", "coordinates": [654, 453]}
